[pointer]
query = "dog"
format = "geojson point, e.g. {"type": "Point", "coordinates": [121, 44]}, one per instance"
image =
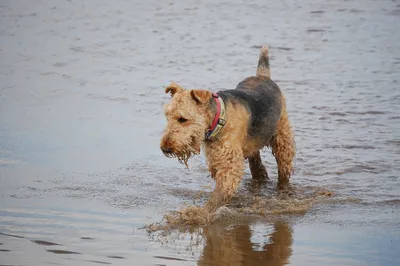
{"type": "Point", "coordinates": [232, 126]}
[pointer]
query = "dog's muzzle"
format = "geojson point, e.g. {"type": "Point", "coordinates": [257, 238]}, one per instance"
{"type": "Point", "coordinates": [167, 151]}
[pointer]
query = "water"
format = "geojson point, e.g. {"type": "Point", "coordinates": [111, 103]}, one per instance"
{"type": "Point", "coordinates": [81, 96]}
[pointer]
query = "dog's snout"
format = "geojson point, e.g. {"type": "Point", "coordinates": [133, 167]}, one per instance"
{"type": "Point", "coordinates": [166, 149]}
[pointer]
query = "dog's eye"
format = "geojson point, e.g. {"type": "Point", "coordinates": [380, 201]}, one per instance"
{"type": "Point", "coordinates": [182, 120]}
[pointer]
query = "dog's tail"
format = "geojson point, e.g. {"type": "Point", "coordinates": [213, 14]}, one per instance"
{"type": "Point", "coordinates": [263, 63]}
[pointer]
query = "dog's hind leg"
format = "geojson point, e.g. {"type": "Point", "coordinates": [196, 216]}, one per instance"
{"type": "Point", "coordinates": [257, 169]}
{"type": "Point", "coordinates": [284, 148]}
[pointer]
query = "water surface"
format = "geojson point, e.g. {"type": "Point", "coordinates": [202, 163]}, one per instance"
{"type": "Point", "coordinates": [81, 96]}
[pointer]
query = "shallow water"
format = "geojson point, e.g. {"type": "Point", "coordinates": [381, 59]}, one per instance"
{"type": "Point", "coordinates": [81, 96]}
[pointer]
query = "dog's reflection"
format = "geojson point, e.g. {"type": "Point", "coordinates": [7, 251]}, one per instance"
{"type": "Point", "coordinates": [234, 246]}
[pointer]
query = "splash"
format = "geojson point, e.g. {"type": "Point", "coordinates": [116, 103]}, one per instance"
{"type": "Point", "coordinates": [241, 208]}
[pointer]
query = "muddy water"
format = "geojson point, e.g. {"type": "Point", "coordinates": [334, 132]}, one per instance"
{"type": "Point", "coordinates": [81, 95]}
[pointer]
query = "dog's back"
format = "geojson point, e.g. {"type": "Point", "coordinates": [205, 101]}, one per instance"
{"type": "Point", "coordinates": [261, 97]}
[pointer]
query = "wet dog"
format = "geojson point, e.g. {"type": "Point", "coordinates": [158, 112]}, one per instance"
{"type": "Point", "coordinates": [232, 126]}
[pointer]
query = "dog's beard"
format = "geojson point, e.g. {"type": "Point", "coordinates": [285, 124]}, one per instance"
{"type": "Point", "coordinates": [184, 155]}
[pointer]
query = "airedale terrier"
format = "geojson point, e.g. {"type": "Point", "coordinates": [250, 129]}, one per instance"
{"type": "Point", "coordinates": [232, 126]}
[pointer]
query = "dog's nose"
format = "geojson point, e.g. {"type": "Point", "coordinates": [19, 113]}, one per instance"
{"type": "Point", "coordinates": [166, 149]}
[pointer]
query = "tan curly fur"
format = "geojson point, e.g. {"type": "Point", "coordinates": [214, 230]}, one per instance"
{"type": "Point", "coordinates": [189, 115]}
{"type": "Point", "coordinates": [185, 138]}
{"type": "Point", "coordinates": [225, 155]}
{"type": "Point", "coordinates": [284, 147]}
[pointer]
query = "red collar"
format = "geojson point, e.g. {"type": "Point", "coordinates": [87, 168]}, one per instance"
{"type": "Point", "coordinates": [219, 119]}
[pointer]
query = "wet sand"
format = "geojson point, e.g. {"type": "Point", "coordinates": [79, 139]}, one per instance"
{"type": "Point", "coordinates": [81, 97]}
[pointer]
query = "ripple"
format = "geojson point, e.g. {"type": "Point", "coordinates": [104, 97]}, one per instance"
{"type": "Point", "coordinates": [87, 238]}
{"type": "Point", "coordinates": [315, 30]}
{"type": "Point", "coordinates": [11, 235]}
{"type": "Point", "coordinates": [59, 251]}
{"type": "Point", "coordinates": [344, 121]}
{"type": "Point", "coordinates": [99, 262]}
{"type": "Point", "coordinates": [393, 202]}
{"type": "Point", "coordinates": [337, 114]}
{"type": "Point", "coordinates": [45, 243]}
{"type": "Point", "coordinates": [368, 113]}
{"type": "Point", "coordinates": [108, 98]}
{"type": "Point", "coordinates": [115, 257]}
{"type": "Point", "coordinates": [351, 147]}
{"type": "Point", "coordinates": [395, 142]}
{"type": "Point", "coordinates": [169, 258]}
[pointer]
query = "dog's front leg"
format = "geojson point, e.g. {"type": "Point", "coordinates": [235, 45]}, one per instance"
{"type": "Point", "coordinates": [226, 165]}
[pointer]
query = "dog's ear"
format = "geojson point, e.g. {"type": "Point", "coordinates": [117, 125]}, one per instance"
{"type": "Point", "coordinates": [200, 96]}
{"type": "Point", "coordinates": [173, 88]}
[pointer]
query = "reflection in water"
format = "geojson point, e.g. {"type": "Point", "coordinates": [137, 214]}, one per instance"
{"type": "Point", "coordinates": [234, 246]}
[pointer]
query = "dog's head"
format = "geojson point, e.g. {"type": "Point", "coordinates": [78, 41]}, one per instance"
{"type": "Point", "coordinates": [188, 115]}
